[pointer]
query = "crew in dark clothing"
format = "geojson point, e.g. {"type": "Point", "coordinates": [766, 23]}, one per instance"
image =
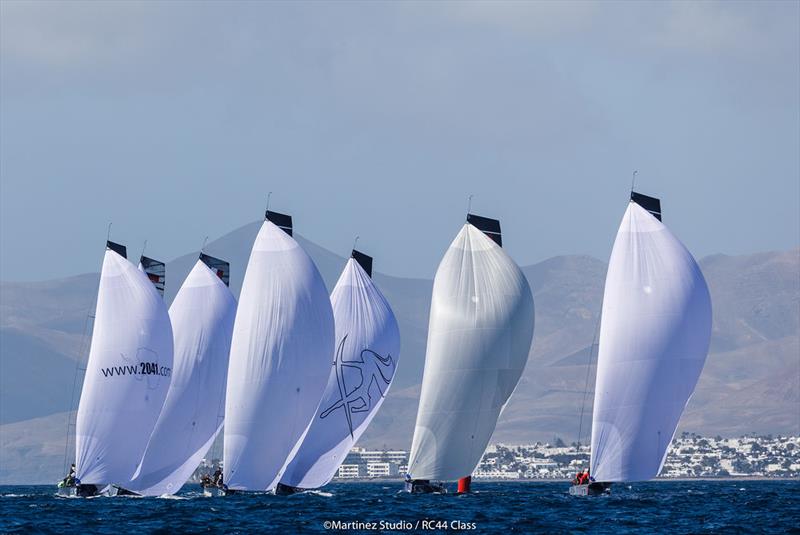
{"type": "Point", "coordinates": [70, 481]}
{"type": "Point", "coordinates": [205, 480]}
{"type": "Point", "coordinates": [218, 477]}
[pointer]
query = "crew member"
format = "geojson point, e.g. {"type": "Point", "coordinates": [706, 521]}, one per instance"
{"type": "Point", "coordinates": [585, 477]}
{"type": "Point", "coordinates": [69, 481]}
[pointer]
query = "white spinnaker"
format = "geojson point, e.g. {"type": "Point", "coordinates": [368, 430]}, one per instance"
{"type": "Point", "coordinates": [281, 356]}
{"type": "Point", "coordinates": [654, 336]}
{"type": "Point", "coordinates": [479, 336]}
{"type": "Point", "coordinates": [367, 349]}
{"type": "Point", "coordinates": [202, 317]}
{"type": "Point", "coordinates": [127, 375]}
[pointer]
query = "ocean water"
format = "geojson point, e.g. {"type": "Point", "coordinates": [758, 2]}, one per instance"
{"type": "Point", "coordinates": [664, 507]}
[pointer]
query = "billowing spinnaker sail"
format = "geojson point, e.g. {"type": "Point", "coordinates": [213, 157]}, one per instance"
{"type": "Point", "coordinates": [281, 356]}
{"type": "Point", "coordinates": [367, 349]}
{"type": "Point", "coordinates": [654, 336]}
{"type": "Point", "coordinates": [202, 321]}
{"type": "Point", "coordinates": [127, 375]}
{"type": "Point", "coordinates": [479, 336]}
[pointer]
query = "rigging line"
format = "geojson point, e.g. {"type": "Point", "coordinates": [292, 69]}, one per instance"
{"type": "Point", "coordinates": [633, 180]}
{"type": "Point", "coordinates": [469, 203]}
{"type": "Point", "coordinates": [215, 446]}
{"type": "Point", "coordinates": [144, 247]}
{"type": "Point", "coordinates": [355, 242]}
{"type": "Point", "coordinates": [203, 248]}
{"type": "Point", "coordinates": [268, 197]}
{"type": "Point", "coordinates": [83, 350]}
{"type": "Point", "coordinates": [588, 374]}
{"type": "Point", "coordinates": [108, 233]}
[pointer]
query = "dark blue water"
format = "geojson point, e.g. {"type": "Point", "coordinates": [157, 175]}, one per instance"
{"type": "Point", "coordinates": [668, 507]}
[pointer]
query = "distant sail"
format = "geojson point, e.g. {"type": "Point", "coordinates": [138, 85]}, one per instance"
{"type": "Point", "coordinates": [156, 271]}
{"type": "Point", "coordinates": [654, 336]}
{"type": "Point", "coordinates": [367, 349]}
{"type": "Point", "coordinates": [202, 317]}
{"type": "Point", "coordinates": [480, 332]}
{"type": "Point", "coordinates": [281, 354]}
{"type": "Point", "coordinates": [127, 376]}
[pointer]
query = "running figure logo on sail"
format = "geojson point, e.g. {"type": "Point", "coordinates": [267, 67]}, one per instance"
{"type": "Point", "coordinates": [355, 393]}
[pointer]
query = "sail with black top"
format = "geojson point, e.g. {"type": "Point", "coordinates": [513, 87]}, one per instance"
{"type": "Point", "coordinates": [367, 352]}
{"type": "Point", "coordinates": [280, 360]}
{"type": "Point", "coordinates": [479, 337]}
{"type": "Point", "coordinates": [202, 315]}
{"type": "Point", "coordinates": [127, 376]}
{"type": "Point", "coordinates": [654, 336]}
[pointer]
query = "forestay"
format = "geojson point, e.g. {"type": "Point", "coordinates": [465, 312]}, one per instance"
{"type": "Point", "coordinates": [202, 317]}
{"type": "Point", "coordinates": [654, 336]}
{"type": "Point", "coordinates": [281, 356]}
{"type": "Point", "coordinates": [127, 375]}
{"type": "Point", "coordinates": [367, 349]}
{"type": "Point", "coordinates": [480, 332]}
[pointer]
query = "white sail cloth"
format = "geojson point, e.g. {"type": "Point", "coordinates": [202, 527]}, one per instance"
{"type": "Point", "coordinates": [367, 349]}
{"type": "Point", "coordinates": [281, 356]}
{"type": "Point", "coordinates": [202, 317]}
{"type": "Point", "coordinates": [479, 336]}
{"type": "Point", "coordinates": [654, 336]}
{"type": "Point", "coordinates": [127, 375]}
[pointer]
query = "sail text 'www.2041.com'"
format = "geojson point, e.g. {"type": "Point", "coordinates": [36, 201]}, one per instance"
{"type": "Point", "coordinates": [143, 368]}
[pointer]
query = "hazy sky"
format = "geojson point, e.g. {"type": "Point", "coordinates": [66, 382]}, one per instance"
{"type": "Point", "coordinates": [174, 120]}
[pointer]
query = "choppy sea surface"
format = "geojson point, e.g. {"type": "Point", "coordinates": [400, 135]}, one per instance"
{"type": "Point", "coordinates": [663, 506]}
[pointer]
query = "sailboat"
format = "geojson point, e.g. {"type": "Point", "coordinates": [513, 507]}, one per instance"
{"type": "Point", "coordinates": [654, 335]}
{"type": "Point", "coordinates": [367, 350]}
{"type": "Point", "coordinates": [280, 361]}
{"type": "Point", "coordinates": [479, 337]}
{"type": "Point", "coordinates": [202, 315]}
{"type": "Point", "coordinates": [127, 377]}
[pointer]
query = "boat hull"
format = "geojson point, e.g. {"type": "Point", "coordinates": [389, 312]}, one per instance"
{"type": "Point", "coordinates": [423, 486]}
{"type": "Point", "coordinates": [120, 491]}
{"type": "Point", "coordinates": [286, 490]}
{"type": "Point", "coordinates": [591, 489]}
{"type": "Point", "coordinates": [81, 491]}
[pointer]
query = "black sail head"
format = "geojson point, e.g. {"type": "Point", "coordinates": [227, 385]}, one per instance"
{"type": "Point", "coordinates": [490, 227]}
{"type": "Point", "coordinates": [364, 261]}
{"type": "Point", "coordinates": [156, 271]}
{"type": "Point", "coordinates": [651, 204]}
{"type": "Point", "coordinates": [282, 221]}
{"type": "Point", "coordinates": [221, 268]}
{"type": "Point", "coordinates": [117, 248]}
